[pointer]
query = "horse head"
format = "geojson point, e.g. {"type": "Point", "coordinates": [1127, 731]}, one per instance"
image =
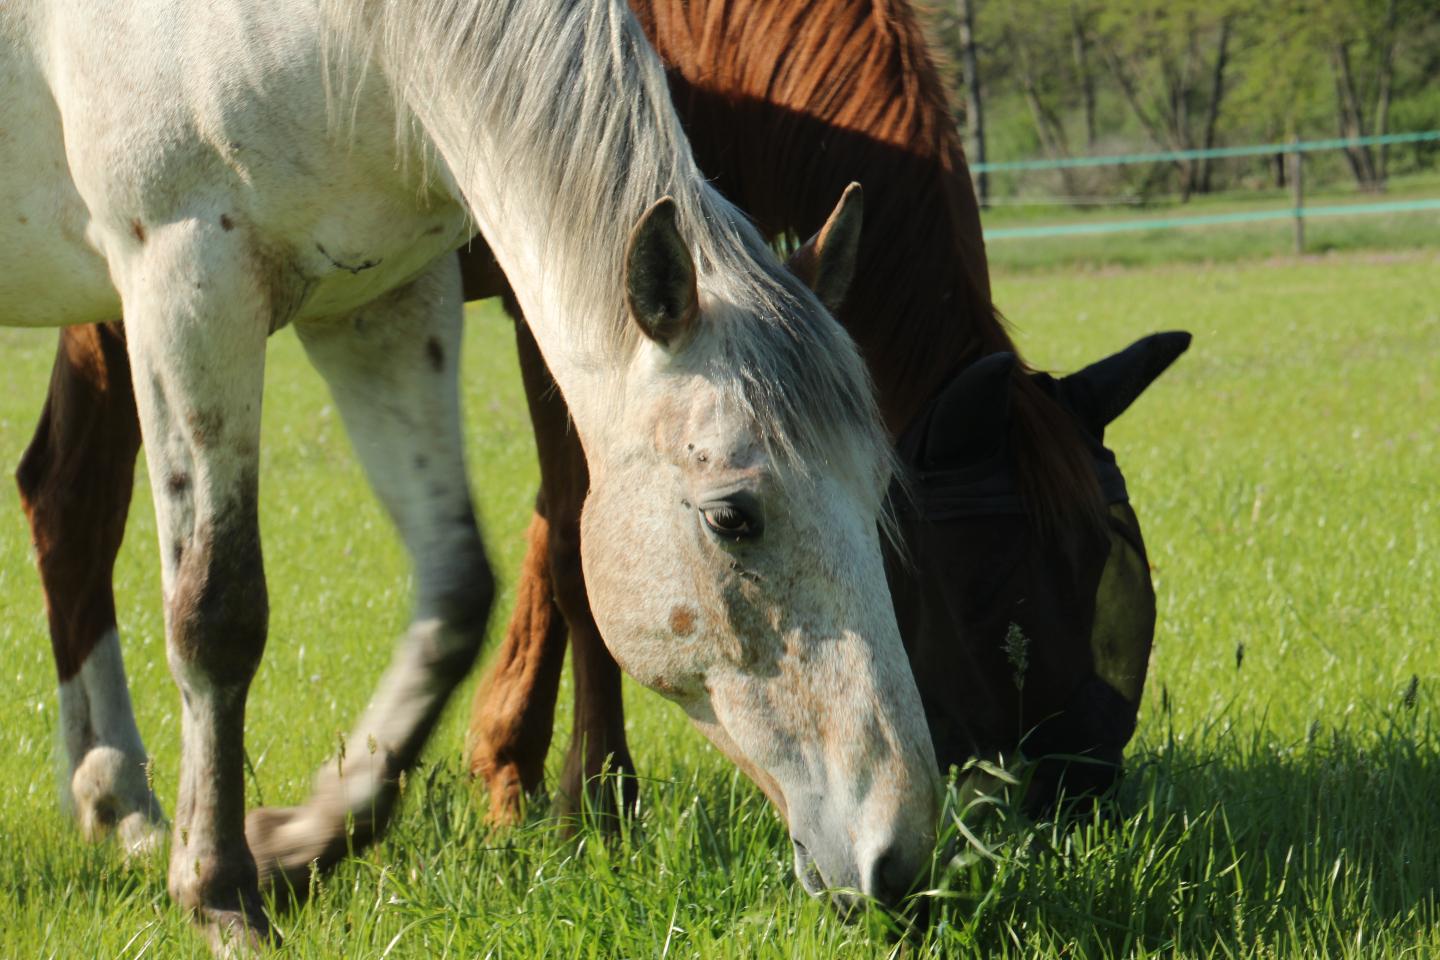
{"type": "Point", "coordinates": [732, 552]}
{"type": "Point", "coordinates": [1021, 646]}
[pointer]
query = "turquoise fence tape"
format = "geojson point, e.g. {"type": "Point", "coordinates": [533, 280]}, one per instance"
{"type": "Point", "coordinates": [1254, 150]}
{"type": "Point", "coordinates": [1209, 219]}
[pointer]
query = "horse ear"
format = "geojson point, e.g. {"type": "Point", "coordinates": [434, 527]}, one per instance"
{"type": "Point", "coordinates": [660, 277]}
{"type": "Point", "coordinates": [1104, 390]}
{"type": "Point", "coordinates": [971, 413]}
{"type": "Point", "coordinates": [826, 262]}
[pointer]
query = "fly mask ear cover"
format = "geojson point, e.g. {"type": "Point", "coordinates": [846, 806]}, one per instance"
{"type": "Point", "coordinates": [1102, 391]}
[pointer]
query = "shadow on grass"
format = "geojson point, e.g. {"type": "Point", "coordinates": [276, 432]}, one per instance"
{"type": "Point", "coordinates": [1221, 846]}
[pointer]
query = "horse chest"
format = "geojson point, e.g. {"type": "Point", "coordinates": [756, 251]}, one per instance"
{"type": "Point", "coordinates": [351, 254]}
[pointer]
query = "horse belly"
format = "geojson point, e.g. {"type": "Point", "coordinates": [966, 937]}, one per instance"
{"type": "Point", "coordinates": [50, 274]}
{"type": "Point", "coordinates": [362, 247]}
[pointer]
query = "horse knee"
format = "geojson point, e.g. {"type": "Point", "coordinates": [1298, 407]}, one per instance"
{"type": "Point", "coordinates": [566, 571]}
{"type": "Point", "coordinates": [30, 473]}
{"type": "Point", "coordinates": [42, 490]}
{"type": "Point", "coordinates": [461, 599]}
{"type": "Point", "coordinates": [219, 607]}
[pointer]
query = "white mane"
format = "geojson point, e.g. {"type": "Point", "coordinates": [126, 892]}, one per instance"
{"type": "Point", "coordinates": [569, 101]}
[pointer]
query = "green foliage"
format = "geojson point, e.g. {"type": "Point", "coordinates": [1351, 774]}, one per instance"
{"type": "Point", "coordinates": [1117, 76]}
{"type": "Point", "coordinates": [1282, 806]}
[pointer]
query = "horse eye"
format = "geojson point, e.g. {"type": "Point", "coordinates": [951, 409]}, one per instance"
{"type": "Point", "coordinates": [729, 520]}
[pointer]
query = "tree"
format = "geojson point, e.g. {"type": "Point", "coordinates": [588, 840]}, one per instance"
{"type": "Point", "coordinates": [1040, 47]}
{"type": "Point", "coordinates": [1360, 44]}
{"type": "Point", "coordinates": [1362, 33]}
{"type": "Point", "coordinates": [1065, 77]}
{"type": "Point", "coordinates": [974, 104]}
{"type": "Point", "coordinates": [1169, 60]}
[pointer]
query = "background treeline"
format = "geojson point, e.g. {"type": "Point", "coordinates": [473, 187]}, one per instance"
{"type": "Point", "coordinates": [1062, 78]}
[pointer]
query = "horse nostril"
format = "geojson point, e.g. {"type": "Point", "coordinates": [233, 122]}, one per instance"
{"type": "Point", "coordinates": [890, 877]}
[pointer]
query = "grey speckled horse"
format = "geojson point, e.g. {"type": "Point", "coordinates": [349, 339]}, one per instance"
{"type": "Point", "coordinates": [272, 164]}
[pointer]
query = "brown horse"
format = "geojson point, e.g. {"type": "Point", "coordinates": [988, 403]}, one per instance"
{"type": "Point", "coordinates": [784, 104]}
{"type": "Point", "coordinates": [1020, 649]}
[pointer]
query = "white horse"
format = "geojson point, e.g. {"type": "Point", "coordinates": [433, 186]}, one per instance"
{"type": "Point", "coordinates": [220, 170]}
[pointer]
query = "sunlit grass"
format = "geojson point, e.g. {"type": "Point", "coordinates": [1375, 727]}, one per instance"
{"type": "Point", "coordinates": [1282, 798]}
{"type": "Point", "coordinates": [1226, 243]}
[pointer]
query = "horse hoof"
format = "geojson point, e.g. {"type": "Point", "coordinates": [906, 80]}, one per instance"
{"type": "Point", "coordinates": [140, 837]}
{"type": "Point", "coordinates": [507, 796]}
{"type": "Point", "coordinates": [110, 795]}
{"type": "Point", "coordinates": [291, 843]}
{"type": "Point", "coordinates": [238, 932]}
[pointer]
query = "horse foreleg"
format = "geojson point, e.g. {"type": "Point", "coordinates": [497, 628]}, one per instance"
{"type": "Point", "coordinates": [513, 714]}
{"type": "Point", "coordinates": [597, 738]}
{"type": "Point", "coordinates": [514, 710]}
{"type": "Point", "coordinates": [393, 372]}
{"type": "Point", "coordinates": [75, 482]}
{"type": "Point", "coordinates": [197, 351]}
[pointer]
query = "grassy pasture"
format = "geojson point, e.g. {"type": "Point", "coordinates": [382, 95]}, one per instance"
{"type": "Point", "coordinates": [1284, 798]}
{"type": "Point", "coordinates": [1231, 242]}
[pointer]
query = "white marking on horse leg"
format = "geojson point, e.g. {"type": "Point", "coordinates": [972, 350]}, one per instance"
{"type": "Point", "coordinates": [393, 371]}
{"type": "Point", "coordinates": [107, 781]}
{"type": "Point", "coordinates": [197, 311]}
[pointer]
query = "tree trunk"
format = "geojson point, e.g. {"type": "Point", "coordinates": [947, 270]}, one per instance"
{"type": "Point", "coordinates": [1048, 126]}
{"type": "Point", "coordinates": [974, 106]}
{"type": "Point", "coordinates": [1080, 48]}
{"type": "Point", "coordinates": [1126, 82]}
{"type": "Point", "coordinates": [1132, 97]}
{"type": "Point", "coordinates": [1385, 72]}
{"type": "Point", "coordinates": [1173, 117]}
{"type": "Point", "coordinates": [1162, 129]}
{"type": "Point", "coordinates": [1351, 116]}
{"type": "Point", "coordinates": [1212, 109]}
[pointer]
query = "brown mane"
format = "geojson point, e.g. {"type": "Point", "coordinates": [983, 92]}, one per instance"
{"type": "Point", "coordinates": [786, 103]}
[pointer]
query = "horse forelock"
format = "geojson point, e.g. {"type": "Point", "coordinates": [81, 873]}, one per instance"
{"type": "Point", "coordinates": [781, 360]}
{"type": "Point", "coordinates": [568, 101]}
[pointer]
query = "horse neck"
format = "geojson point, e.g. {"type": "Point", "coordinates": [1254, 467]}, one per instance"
{"type": "Point", "coordinates": [552, 122]}
{"type": "Point", "coordinates": [785, 104]}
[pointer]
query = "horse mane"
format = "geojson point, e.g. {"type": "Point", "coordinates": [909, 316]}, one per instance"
{"type": "Point", "coordinates": [569, 104]}
{"type": "Point", "coordinates": [786, 103]}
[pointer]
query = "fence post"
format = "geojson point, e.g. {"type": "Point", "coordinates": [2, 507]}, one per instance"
{"type": "Point", "coordinates": [1297, 187]}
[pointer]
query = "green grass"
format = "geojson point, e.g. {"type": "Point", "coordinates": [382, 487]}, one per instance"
{"type": "Point", "coordinates": [1283, 804]}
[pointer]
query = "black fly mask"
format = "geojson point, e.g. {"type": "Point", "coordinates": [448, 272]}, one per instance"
{"type": "Point", "coordinates": [1021, 648]}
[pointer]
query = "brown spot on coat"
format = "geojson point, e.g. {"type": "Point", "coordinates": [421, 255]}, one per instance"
{"type": "Point", "coordinates": [682, 620]}
{"type": "Point", "coordinates": [205, 427]}
{"type": "Point", "coordinates": [177, 482]}
{"type": "Point", "coordinates": [436, 353]}
{"type": "Point", "coordinates": [226, 223]}
{"type": "Point", "coordinates": [137, 229]}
